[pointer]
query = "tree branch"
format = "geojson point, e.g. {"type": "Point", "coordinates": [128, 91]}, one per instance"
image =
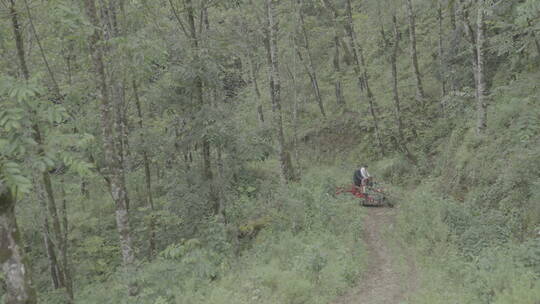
{"type": "Point", "coordinates": [178, 19]}
{"type": "Point", "coordinates": [42, 52]}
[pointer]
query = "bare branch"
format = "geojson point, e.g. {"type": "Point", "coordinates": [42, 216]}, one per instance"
{"type": "Point", "coordinates": [178, 19]}
{"type": "Point", "coordinates": [34, 31]}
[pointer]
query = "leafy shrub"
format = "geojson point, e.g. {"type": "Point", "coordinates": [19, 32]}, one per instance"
{"type": "Point", "coordinates": [308, 250]}
{"type": "Point", "coordinates": [467, 252]}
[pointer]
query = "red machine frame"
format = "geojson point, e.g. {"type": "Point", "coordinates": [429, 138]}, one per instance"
{"type": "Point", "coordinates": [373, 196]}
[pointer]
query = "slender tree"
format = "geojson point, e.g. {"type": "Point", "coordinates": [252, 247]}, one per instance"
{"type": "Point", "coordinates": [64, 246]}
{"type": "Point", "coordinates": [472, 37]}
{"type": "Point", "coordinates": [147, 175]}
{"type": "Point", "coordinates": [194, 37]}
{"type": "Point", "coordinates": [43, 182]}
{"type": "Point", "coordinates": [402, 145]}
{"type": "Point", "coordinates": [340, 100]}
{"type": "Point", "coordinates": [414, 54]}
{"type": "Point", "coordinates": [395, 90]}
{"type": "Point", "coordinates": [17, 272]}
{"type": "Point", "coordinates": [442, 61]}
{"type": "Point", "coordinates": [452, 13]}
{"type": "Point", "coordinates": [482, 90]}
{"type": "Point", "coordinates": [362, 76]}
{"type": "Point", "coordinates": [56, 87]}
{"type": "Point", "coordinates": [452, 48]}
{"type": "Point", "coordinates": [48, 240]}
{"type": "Point", "coordinates": [287, 172]}
{"type": "Point", "coordinates": [253, 71]}
{"type": "Point", "coordinates": [309, 65]}
{"type": "Point", "coordinates": [113, 161]}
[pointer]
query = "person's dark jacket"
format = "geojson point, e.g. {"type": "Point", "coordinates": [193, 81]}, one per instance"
{"type": "Point", "coordinates": [357, 178]}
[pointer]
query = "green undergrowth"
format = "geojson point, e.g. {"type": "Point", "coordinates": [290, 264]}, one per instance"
{"type": "Point", "coordinates": [308, 251]}
{"type": "Point", "coordinates": [469, 208]}
{"type": "Point", "coordinates": [464, 258]}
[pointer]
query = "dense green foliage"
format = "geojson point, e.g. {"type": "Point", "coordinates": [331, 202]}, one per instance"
{"type": "Point", "coordinates": [211, 219]}
{"type": "Point", "coordinates": [478, 237]}
{"type": "Point", "coordinates": [309, 251]}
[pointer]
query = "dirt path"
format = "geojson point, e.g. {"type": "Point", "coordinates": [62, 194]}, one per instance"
{"type": "Point", "coordinates": [382, 282]}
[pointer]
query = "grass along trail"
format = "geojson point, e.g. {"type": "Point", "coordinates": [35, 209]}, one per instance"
{"type": "Point", "coordinates": [384, 281]}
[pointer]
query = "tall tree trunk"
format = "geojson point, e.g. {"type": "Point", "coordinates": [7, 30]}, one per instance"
{"type": "Point", "coordinates": [120, 119]}
{"type": "Point", "coordinates": [393, 61]}
{"type": "Point", "coordinates": [51, 254]}
{"type": "Point", "coordinates": [310, 65]}
{"type": "Point", "coordinates": [46, 180]}
{"type": "Point", "coordinates": [362, 76]}
{"type": "Point", "coordinates": [397, 103]}
{"type": "Point", "coordinates": [84, 189]}
{"type": "Point", "coordinates": [472, 36]}
{"type": "Point", "coordinates": [56, 88]}
{"type": "Point", "coordinates": [112, 30]}
{"type": "Point", "coordinates": [47, 240]}
{"type": "Point", "coordinates": [414, 57]}
{"type": "Point", "coordinates": [220, 172]}
{"type": "Point", "coordinates": [253, 75]}
{"type": "Point", "coordinates": [340, 100]}
{"type": "Point", "coordinates": [53, 212]}
{"type": "Point", "coordinates": [452, 48]}
{"type": "Point", "coordinates": [45, 177]}
{"type": "Point", "coordinates": [452, 13]}
{"type": "Point", "coordinates": [199, 96]}
{"type": "Point", "coordinates": [147, 176]}
{"type": "Point", "coordinates": [442, 61]}
{"type": "Point", "coordinates": [19, 42]}
{"type": "Point", "coordinates": [287, 172]}
{"type": "Point", "coordinates": [295, 118]}
{"type": "Point", "coordinates": [64, 247]}
{"type": "Point", "coordinates": [482, 90]}
{"type": "Point", "coordinates": [18, 279]}
{"type": "Point", "coordinates": [536, 42]}
{"type": "Point", "coordinates": [112, 159]}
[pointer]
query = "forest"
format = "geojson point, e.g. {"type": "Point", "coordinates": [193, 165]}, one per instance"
{"type": "Point", "coordinates": [192, 151]}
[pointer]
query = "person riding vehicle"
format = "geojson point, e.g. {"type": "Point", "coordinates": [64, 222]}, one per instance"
{"type": "Point", "coordinates": [361, 178]}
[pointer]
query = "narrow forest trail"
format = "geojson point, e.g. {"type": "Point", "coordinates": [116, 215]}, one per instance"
{"type": "Point", "coordinates": [384, 282]}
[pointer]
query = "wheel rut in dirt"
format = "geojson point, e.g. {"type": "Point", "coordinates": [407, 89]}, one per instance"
{"type": "Point", "coordinates": [381, 282]}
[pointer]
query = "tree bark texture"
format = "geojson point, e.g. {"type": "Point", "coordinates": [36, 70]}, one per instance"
{"type": "Point", "coordinates": [414, 54]}
{"type": "Point", "coordinates": [442, 61]}
{"type": "Point", "coordinates": [56, 274]}
{"type": "Point", "coordinates": [310, 66]}
{"type": "Point", "coordinates": [452, 48]}
{"type": "Point", "coordinates": [147, 176]}
{"type": "Point", "coordinates": [56, 87]}
{"type": "Point", "coordinates": [199, 96]}
{"type": "Point", "coordinates": [287, 172]}
{"type": "Point", "coordinates": [472, 36]}
{"type": "Point", "coordinates": [360, 69]}
{"type": "Point", "coordinates": [112, 29]}
{"type": "Point", "coordinates": [19, 42]}
{"type": "Point", "coordinates": [481, 86]}
{"type": "Point", "coordinates": [253, 75]}
{"type": "Point", "coordinates": [221, 175]}
{"type": "Point", "coordinates": [452, 13]}
{"type": "Point", "coordinates": [64, 247]}
{"type": "Point", "coordinates": [393, 61]}
{"type": "Point", "coordinates": [59, 277]}
{"type": "Point", "coordinates": [18, 279]}
{"type": "Point", "coordinates": [340, 100]}
{"type": "Point", "coordinates": [295, 116]}
{"type": "Point", "coordinates": [397, 102]}
{"type": "Point", "coordinates": [112, 158]}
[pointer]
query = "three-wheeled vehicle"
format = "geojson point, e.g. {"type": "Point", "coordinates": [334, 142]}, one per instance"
{"type": "Point", "coordinates": [373, 194]}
